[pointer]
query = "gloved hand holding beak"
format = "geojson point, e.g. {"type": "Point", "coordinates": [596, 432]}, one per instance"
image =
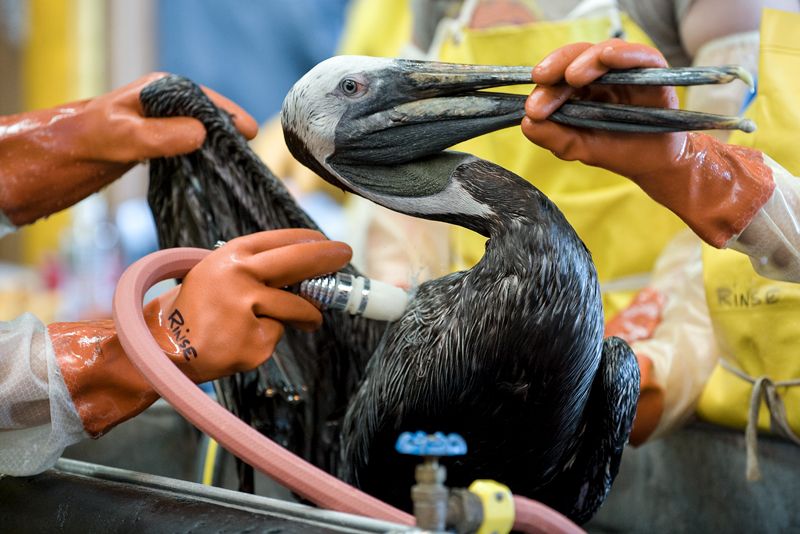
{"type": "Point", "coordinates": [227, 316]}
{"type": "Point", "coordinates": [63, 154]}
{"type": "Point", "coordinates": [715, 188]}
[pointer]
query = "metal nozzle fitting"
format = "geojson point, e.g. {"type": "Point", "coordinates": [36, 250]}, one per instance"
{"type": "Point", "coordinates": [356, 295]}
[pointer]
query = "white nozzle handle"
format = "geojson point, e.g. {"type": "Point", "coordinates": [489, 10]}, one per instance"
{"type": "Point", "coordinates": [356, 295]}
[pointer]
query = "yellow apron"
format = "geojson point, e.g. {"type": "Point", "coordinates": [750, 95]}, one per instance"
{"type": "Point", "coordinates": [376, 28]}
{"type": "Point", "coordinates": [756, 320]}
{"type": "Point", "coordinates": [623, 228]}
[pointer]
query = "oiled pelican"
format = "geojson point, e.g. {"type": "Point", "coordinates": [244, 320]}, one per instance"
{"type": "Point", "coordinates": [510, 353]}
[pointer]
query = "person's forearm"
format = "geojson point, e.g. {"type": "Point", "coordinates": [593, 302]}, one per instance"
{"type": "Point", "coordinates": [42, 170]}
{"type": "Point", "coordinates": [729, 17]}
{"type": "Point", "coordinates": [714, 187]}
{"type": "Point", "coordinates": [669, 328]}
{"type": "Point", "coordinates": [37, 415]}
{"type": "Point", "coordinates": [105, 386]}
{"type": "Point", "coordinates": [772, 236]}
{"type": "Point", "coordinates": [63, 383]}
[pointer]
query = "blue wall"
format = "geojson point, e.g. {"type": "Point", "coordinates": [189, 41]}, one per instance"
{"type": "Point", "coordinates": [252, 51]}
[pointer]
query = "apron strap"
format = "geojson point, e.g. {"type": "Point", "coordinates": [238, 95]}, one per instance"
{"type": "Point", "coordinates": [452, 28]}
{"type": "Point", "coordinates": [764, 387]}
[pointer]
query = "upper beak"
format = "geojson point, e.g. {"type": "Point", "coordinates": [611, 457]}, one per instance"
{"type": "Point", "coordinates": [428, 107]}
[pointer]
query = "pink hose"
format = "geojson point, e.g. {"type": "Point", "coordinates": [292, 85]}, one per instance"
{"type": "Point", "coordinates": [237, 437]}
{"type": "Point", "coordinates": [191, 402]}
{"type": "Point", "coordinates": [534, 517]}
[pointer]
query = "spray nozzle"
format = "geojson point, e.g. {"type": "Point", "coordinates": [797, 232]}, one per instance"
{"type": "Point", "coordinates": [356, 295]}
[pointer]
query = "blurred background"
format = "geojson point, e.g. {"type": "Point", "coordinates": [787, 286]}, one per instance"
{"type": "Point", "coordinates": [65, 268]}
{"type": "Point", "coordinates": [54, 51]}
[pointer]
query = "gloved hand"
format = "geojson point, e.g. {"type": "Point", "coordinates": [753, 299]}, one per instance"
{"type": "Point", "coordinates": [226, 317]}
{"type": "Point", "coordinates": [53, 158]}
{"type": "Point", "coordinates": [715, 188]}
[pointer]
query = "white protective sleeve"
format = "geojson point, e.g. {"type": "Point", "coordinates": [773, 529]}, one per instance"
{"type": "Point", "coordinates": [772, 239]}
{"type": "Point", "coordinates": [683, 348]}
{"type": "Point", "coordinates": [37, 416]}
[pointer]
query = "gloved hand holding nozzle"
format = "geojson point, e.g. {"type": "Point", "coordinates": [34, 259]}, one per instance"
{"type": "Point", "coordinates": [227, 316]}
{"type": "Point", "coordinates": [351, 294]}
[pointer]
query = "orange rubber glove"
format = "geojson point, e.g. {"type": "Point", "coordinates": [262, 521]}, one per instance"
{"type": "Point", "coordinates": [53, 158]}
{"type": "Point", "coordinates": [715, 188]}
{"type": "Point", "coordinates": [226, 317]}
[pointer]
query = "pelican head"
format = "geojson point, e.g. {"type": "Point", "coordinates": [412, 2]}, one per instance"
{"type": "Point", "coordinates": [378, 126]}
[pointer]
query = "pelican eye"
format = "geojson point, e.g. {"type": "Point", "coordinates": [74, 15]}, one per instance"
{"type": "Point", "coordinates": [350, 87]}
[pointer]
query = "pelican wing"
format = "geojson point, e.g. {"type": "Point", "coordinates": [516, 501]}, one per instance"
{"type": "Point", "coordinates": [222, 191]}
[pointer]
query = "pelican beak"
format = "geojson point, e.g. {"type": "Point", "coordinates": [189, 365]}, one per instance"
{"type": "Point", "coordinates": [425, 107]}
{"type": "Point", "coordinates": [420, 108]}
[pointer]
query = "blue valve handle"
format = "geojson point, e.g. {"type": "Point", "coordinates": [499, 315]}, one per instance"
{"type": "Point", "coordinates": [437, 444]}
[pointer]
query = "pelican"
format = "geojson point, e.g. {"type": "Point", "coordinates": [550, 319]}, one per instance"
{"type": "Point", "coordinates": [510, 353]}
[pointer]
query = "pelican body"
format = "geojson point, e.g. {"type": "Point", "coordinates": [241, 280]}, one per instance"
{"type": "Point", "coordinates": [510, 354]}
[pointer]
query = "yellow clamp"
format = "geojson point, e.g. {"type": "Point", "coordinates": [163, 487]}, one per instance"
{"type": "Point", "coordinates": [498, 506]}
